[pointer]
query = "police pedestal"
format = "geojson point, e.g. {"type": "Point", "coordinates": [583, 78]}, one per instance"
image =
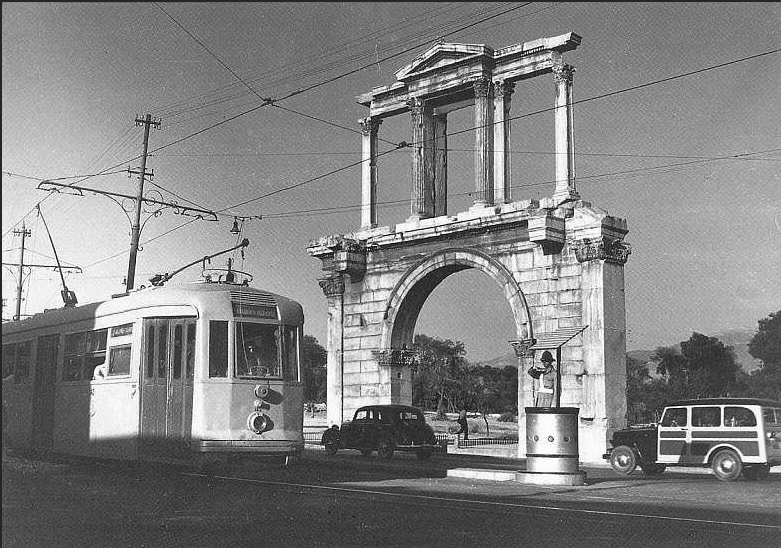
{"type": "Point", "coordinates": [552, 447]}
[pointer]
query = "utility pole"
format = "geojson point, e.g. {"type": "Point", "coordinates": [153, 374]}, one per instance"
{"type": "Point", "coordinates": [136, 224]}
{"type": "Point", "coordinates": [68, 296]}
{"type": "Point", "coordinates": [24, 232]}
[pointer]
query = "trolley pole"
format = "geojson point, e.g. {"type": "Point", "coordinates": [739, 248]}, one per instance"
{"type": "Point", "coordinates": [24, 232]}
{"type": "Point", "coordinates": [136, 226]}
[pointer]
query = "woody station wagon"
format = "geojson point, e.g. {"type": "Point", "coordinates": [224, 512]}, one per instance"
{"type": "Point", "coordinates": [732, 436]}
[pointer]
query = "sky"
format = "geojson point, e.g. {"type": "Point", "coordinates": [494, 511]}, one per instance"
{"type": "Point", "coordinates": [676, 127]}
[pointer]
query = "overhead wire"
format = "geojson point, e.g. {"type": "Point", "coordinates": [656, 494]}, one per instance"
{"type": "Point", "coordinates": [301, 90]}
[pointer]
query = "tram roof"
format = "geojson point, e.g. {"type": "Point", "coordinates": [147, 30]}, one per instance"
{"type": "Point", "coordinates": [177, 294]}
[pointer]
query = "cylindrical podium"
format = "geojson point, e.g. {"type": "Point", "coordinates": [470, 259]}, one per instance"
{"type": "Point", "coordinates": [552, 439]}
{"type": "Point", "coordinates": [552, 446]}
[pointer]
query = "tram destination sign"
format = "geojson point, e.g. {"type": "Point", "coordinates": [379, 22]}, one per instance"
{"type": "Point", "coordinates": [255, 311]}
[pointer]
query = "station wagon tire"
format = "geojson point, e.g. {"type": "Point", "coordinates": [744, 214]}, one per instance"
{"type": "Point", "coordinates": [758, 472]}
{"type": "Point", "coordinates": [385, 449]}
{"type": "Point", "coordinates": [623, 460]}
{"type": "Point", "coordinates": [653, 469]}
{"type": "Point", "coordinates": [727, 465]}
{"type": "Point", "coordinates": [423, 454]}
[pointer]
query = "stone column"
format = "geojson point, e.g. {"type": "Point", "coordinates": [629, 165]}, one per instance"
{"type": "Point", "coordinates": [440, 165]}
{"type": "Point", "coordinates": [603, 401]}
{"type": "Point", "coordinates": [565, 143]}
{"type": "Point", "coordinates": [369, 128]}
{"type": "Point", "coordinates": [502, 93]}
{"type": "Point", "coordinates": [333, 287]}
{"type": "Point", "coordinates": [484, 131]}
{"type": "Point", "coordinates": [422, 200]}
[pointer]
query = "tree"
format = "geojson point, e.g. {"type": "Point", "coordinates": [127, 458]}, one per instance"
{"type": "Point", "coordinates": [703, 368]}
{"type": "Point", "coordinates": [765, 382]}
{"type": "Point", "coordinates": [313, 370]}
{"type": "Point", "coordinates": [637, 379]}
{"type": "Point", "coordinates": [712, 368]}
{"type": "Point", "coordinates": [436, 372]}
{"type": "Point", "coordinates": [672, 366]}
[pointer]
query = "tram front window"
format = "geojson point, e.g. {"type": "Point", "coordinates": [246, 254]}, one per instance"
{"type": "Point", "coordinates": [257, 350]}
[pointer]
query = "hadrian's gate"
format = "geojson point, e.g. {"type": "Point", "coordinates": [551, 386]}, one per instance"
{"type": "Point", "coordinates": [559, 260]}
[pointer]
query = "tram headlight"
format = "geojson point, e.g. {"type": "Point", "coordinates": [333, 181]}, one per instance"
{"type": "Point", "coordinates": [261, 391]}
{"type": "Point", "coordinates": [258, 422]}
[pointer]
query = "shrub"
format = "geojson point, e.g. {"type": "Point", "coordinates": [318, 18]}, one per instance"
{"type": "Point", "coordinates": [507, 416]}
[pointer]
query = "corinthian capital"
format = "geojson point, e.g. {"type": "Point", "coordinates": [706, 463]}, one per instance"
{"type": "Point", "coordinates": [369, 125]}
{"type": "Point", "coordinates": [332, 286]}
{"type": "Point", "coordinates": [563, 73]}
{"type": "Point", "coordinates": [416, 105]}
{"type": "Point", "coordinates": [503, 89]}
{"type": "Point", "coordinates": [482, 86]}
{"type": "Point", "coordinates": [610, 250]}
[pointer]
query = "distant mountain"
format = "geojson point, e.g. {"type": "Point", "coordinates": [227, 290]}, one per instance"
{"type": "Point", "coordinates": [738, 339]}
{"type": "Point", "coordinates": [502, 361]}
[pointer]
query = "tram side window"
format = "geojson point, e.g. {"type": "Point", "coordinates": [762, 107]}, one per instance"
{"type": "Point", "coordinates": [218, 349]}
{"type": "Point", "coordinates": [290, 363]}
{"type": "Point", "coordinates": [83, 353]}
{"type": "Point", "coordinates": [119, 360]}
{"type": "Point", "coordinates": [24, 356]}
{"type": "Point", "coordinates": [9, 361]}
{"type": "Point", "coordinates": [16, 361]}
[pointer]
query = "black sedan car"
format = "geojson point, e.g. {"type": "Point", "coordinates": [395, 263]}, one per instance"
{"type": "Point", "coordinates": [385, 429]}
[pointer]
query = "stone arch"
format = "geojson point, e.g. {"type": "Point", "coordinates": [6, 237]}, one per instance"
{"type": "Point", "coordinates": [413, 288]}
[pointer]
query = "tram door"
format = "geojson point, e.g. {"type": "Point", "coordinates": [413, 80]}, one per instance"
{"type": "Point", "coordinates": [43, 391]}
{"type": "Point", "coordinates": [167, 386]}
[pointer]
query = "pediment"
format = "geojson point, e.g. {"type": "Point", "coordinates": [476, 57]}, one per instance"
{"type": "Point", "coordinates": [442, 55]}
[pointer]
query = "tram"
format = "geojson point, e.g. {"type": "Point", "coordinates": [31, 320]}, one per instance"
{"type": "Point", "coordinates": [195, 372]}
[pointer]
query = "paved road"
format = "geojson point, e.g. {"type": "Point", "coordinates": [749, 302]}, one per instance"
{"type": "Point", "coordinates": [349, 500]}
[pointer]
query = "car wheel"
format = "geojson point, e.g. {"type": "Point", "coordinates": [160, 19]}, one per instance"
{"type": "Point", "coordinates": [423, 454]}
{"type": "Point", "coordinates": [331, 447]}
{"type": "Point", "coordinates": [623, 460]}
{"type": "Point", "coordinates": [653, 469]}
{"type": "Point", "coordinates": [727, 465]}
{"type": "Point", "coordinates": [754, 473]}
{"type": "Point", "coordinates": [367, 451]}
{"type": "Point", "coordinates": [385, 449]}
